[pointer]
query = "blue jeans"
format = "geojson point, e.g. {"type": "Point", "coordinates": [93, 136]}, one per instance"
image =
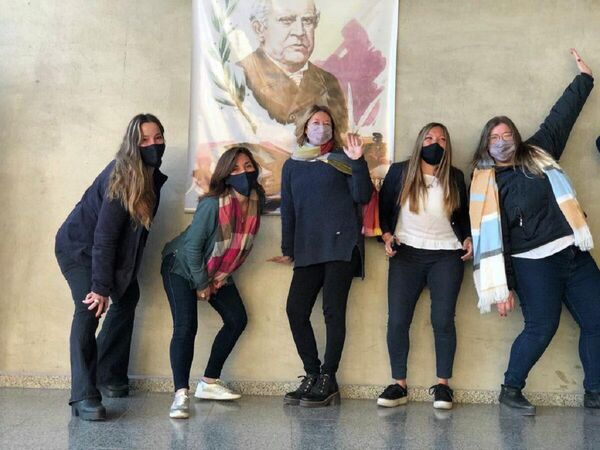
{"type": "Point", "coordinates": [570, 276]}
{"type": "Point", "coordinates": [184, 308]}
{"type": "Point", "coordinates": [410, 271]}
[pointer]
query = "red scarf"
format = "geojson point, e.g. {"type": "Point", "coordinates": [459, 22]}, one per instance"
{"type": "Point", "coordinates": [327, 147]}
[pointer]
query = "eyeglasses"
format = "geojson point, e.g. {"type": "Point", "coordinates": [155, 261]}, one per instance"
{"type": "Point", "coordinates": [508, 136]}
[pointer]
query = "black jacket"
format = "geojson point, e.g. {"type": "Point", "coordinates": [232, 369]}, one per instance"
{"type": "Point", "coordinates": [529, 212]}
{"type": "Point", "coordinates": [99, 233]}
{"type": "Point", "coordinates": [389, 207]}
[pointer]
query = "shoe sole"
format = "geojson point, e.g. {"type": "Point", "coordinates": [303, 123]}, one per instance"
{"type": "Point", "coordinates": [519, 411]}
{"type": "Point", "coordinates": [215, 397]}
{"type": "Point", "coordinates": [97, 416]}
{"type": "Point", "coordinates": [291, 401]}
{"type": "Point", "coordinates": [387, 403]}
{"type": "Point", "coordinates": [179, 415]}
{"type": "Point", "coordinates": [442, 405]}
{"type": "Point", "coordinates": [333, 399]}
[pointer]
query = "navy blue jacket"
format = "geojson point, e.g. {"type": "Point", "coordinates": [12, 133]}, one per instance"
{"type": "Point", "coordinates": [99, 233]}
{"type": "Point", "coordinates": [321, 216]}
{"type": "Point", "coordinates": [530, 214]}
{"type": "Point", "coordinates": [389, 207]}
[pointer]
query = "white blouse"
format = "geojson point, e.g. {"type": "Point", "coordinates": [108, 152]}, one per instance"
{"type": "Point", "coordinates": [430, 229]}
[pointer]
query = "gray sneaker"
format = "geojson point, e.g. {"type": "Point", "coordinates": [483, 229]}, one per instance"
{"type": "Point", "coordinates": [180, 409]}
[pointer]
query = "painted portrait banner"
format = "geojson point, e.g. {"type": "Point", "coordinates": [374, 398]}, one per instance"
{"type": "Point", "coordinates": [259, 64]}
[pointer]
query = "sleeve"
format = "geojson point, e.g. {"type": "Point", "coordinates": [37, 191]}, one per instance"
{"type": "Point", "coordinates": [464, 221]}
{"type": "Point", "coordinates": [112, 218]}
{"type": "Point", "coordinates": [202, 228]}
{"type": "Point", "coordinates": [387, 199]}
{"type": "Point", "coordinates": [288, 214]}
{"type": "Point", "coordinates": [359, 182]}
{"type": "Point", "coordinates": [554, 132]}
{"type": "Point", "coordinates": [510, 278]}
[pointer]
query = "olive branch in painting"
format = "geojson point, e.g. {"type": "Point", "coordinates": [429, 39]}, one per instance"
{"type": "Point", "coordinates": [232, 90]}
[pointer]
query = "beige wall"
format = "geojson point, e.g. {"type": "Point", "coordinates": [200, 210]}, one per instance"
{"type": "Point", "coordinates": [74, 72]}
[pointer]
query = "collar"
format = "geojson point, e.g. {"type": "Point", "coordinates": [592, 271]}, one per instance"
{"type": "Point", "coordinates": [296, 76]}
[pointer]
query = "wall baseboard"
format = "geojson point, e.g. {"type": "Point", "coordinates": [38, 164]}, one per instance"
{"type": "Point", "coordinates": [279, 388]}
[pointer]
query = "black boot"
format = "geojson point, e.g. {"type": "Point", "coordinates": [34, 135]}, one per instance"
{"type": "Point", "coordinates": [308, 381]}
{"type": "Point", "coordinates": [325, 392]}
{"type": "Point", "coordinates": [512, 397]}
{"type": "Point", "coordinates": [591, 400]}
{"type": "Point", "coordinates": [88, 409]}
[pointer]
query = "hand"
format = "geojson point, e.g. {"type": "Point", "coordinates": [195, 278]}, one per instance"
{"type": "Point", "coordinates": [507, 305]}
{"type": "Point", "coordinates": [583, 67]}
{"type": "Point", "coordinates": [203, 295]}
{"type": "Point", "coordinates": [97, 300]}
{"type": "Point", "coordinates": [467, 247]}
{"type": "Point", "coordinates": [215, 286]}
{"type": "Point", "coordinates": [354, 149]}
{"type": "Point", "coordinates": [286, 260]}
{"type": "Point", "coordinates": [388, 240]}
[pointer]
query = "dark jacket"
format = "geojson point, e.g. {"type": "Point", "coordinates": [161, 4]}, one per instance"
{"type": "Point", "coordinates": [389, 207]}
{"type": "Point", "coordinates": [530, 214]}
{"type": "Point", "coordinates": [321, 214]}
{"type": "Point", "coordinates": [99, 233]}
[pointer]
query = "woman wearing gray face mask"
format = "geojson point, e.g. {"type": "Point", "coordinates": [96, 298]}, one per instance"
{"type": "Point", "coordinates": [530, 236]}
{"type": "Point", "coordinates": [323, 186]}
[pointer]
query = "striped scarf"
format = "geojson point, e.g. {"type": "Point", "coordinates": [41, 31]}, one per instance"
{"type": "Point", "coordinates": [484, 209]}
{"type": "Point", "coordinates": [235, 236]}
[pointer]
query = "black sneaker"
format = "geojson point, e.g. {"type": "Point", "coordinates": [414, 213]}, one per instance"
{"type": "Point", "coordinates": [442, 396]}
{"type": "Point", "coordinates": [394, 395]}
{"type": "Point", "coordinates": [591, 400]}
{"type": "Point", "coordinates": [513, 398]}
{"type": "Point", "coordinates": [293, 398]}
{"type": "Point", "coordinates": [325, 392]}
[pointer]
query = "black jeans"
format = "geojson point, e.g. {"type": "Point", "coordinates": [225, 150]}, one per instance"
{"type": "Point", "coordinates": [335, 278]}
{"type": "Point", "coordinates": [410, 270]}
{"type": "Point", "coordinates": [570, 276]}
{"type": "Point", "coordinates": [184, 308]}
{"type": "Point", "coordinates": [103, 360]}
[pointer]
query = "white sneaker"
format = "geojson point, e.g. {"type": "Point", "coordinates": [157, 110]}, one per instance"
{"type": "Point", "coordinates": [215, 391]}
{"type": "Point", "coordinates": [180, 409]}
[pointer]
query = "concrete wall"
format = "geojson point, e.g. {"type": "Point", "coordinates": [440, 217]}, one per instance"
{"type": "Point", "coordinates": [74, 72]}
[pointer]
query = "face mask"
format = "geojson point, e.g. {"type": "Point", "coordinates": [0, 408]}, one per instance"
{"type": "Point", "coordinates": [242, 182]}
{"type": "Point", "coordinates": [502, 151]}
{"type": "Point", "coordinates": [318, 134]}
{"type": "Point", "coordinates": [152, 154]}
{"type": "Point", "coordinates": [432, 154]}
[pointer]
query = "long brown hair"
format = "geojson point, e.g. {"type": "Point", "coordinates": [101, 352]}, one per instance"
{"type": "Point", "coordinates": [225, 166]}
{"type": "Point", "coordinates": [131, 181]}
{"type": "Point", "coordinates": [415, 188]}
{"type": "Point", "coordinates": [527, 157]}
{"type": "Point", "coordinates": [301, 123]}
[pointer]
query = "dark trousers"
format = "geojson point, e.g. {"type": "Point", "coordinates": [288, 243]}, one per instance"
{"type": "Point", "coordinates": [103, 360]}
{"type": "Point", "coordinates": [570, 276]}
{"type": "Point", "coordinates": [184, 309]}
{"type": "Point", "coordinates": [410, 270]}
{"type": "Point", "coordinates": [334, 278]}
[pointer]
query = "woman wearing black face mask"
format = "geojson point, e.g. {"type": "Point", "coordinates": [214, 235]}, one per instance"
{"type": "Point", "coordinates": [99, 249]}
{"type": "Point", "coordinates": [423, 213]}
{"type": "Point", "coordinates": [197, 265]}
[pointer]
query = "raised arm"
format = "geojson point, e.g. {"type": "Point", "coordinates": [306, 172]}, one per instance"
{"type": "Point", "coordinates": [359, 182]}
{"type": "Point", "coordinates": [554, 132]}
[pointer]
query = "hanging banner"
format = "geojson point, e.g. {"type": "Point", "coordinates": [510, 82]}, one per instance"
{"type": "Point", "coordinates": [257, 65]}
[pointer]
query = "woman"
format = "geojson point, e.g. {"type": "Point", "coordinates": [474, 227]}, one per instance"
{"type": "Point", "coordinates": [99, 250]}
{"type": "Point", "coordinates": [322, 189]}
{"type": "Point", "coordinates": [197, 265]}
{"type": "Point", "coordinates": [424, 217]}
{"type": "Point", "coordinates": [539, 244]}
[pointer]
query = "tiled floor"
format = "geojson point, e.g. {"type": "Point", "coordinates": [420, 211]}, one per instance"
{"type": "Point", "coordinates": [33, 418]}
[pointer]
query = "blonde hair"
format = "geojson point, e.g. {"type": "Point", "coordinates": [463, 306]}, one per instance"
{"type": "Point", "coordinates": [131, 181]}
{"type": "Point", "coordinates": [415, 189]}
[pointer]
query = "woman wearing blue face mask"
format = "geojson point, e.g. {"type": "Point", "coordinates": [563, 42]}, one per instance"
{"type": "Point", "coordinates": [531, 236]}
{"type": "Point", "coordinates": [197, 266]}
{"type": "Point", "coordinates": [323, 187]}
{"type": "Point", "coordinates": [423, 214]}
{"type": "Point", "coordinates": [99, 250]}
